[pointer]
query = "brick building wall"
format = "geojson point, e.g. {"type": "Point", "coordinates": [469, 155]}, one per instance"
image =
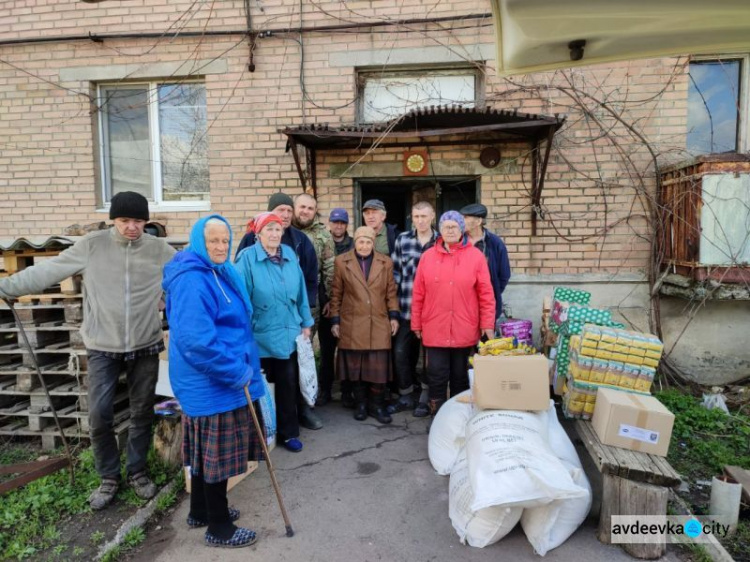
{"type": "Point", "coordinates": [596, 187]}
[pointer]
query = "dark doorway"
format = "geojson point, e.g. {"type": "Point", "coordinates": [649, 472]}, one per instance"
{"type": "Point", "coordinates": [399, 195]}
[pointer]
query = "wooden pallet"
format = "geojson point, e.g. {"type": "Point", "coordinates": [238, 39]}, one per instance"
{"type": "Point", "coordinates": [50, 437]}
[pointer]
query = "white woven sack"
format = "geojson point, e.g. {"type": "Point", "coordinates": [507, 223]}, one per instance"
{"type": "Point", "coordinates": [477, 528]}
{"type": "Point", "coordinates": [511, 463]}
{"type": "Point", "coordinates": [448, 433]}
{"type": "Point", "coordinates": [550, 525]}
{"type": "Point", "coordinates": [308, 377]}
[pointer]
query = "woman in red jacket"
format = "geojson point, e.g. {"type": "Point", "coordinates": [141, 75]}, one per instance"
{"type": "Point", "coordinates": [453, 305]}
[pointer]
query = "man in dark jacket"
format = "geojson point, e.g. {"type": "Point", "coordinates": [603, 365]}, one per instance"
{"type": "Point", "coordinates": [283, 205]}
{"type": "Point", "coordinates": [493, 248]}
{"type": "Point", "coordinates": [374, 213]}
{"type": "Point", "coordinates": [338, 221]}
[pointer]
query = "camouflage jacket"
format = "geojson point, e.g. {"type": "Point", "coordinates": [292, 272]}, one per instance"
{"type": "Point", "coordinates": [325, 250]}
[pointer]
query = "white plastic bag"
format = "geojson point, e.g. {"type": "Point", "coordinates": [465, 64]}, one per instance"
{"type": "Point", "coordinates": [448, 433]}
{"type": "Point", "coordinates": [268, 409]}
{"type": "Point", "coordinates": [308, 377]}
{"type": "Point", "coordinates": [550, 525]}
{"type": "Point", "coordinates": [511, 463]}
{"type": "Point", "coordinates": [715, 401]}
{"type": "Point", "coordinates": [477, 528]}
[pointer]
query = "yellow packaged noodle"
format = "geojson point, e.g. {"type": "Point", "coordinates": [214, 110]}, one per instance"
{"type": "Point", "coordinates": [634, 360]}
{"type": "Point", "coordinates": [627, 380]}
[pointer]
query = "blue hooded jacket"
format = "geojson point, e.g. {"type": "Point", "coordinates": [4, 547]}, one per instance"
{"type": "Point", "coordinates": [212, 351]}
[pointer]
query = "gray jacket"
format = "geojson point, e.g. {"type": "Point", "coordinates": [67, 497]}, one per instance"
{"type": "Point", "coordinates": [122, 287]}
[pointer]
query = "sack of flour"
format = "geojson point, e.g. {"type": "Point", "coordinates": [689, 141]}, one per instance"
{"type": "Point", "coordinates": [448, 433]}
{"type": "Point", "coordinates": [477, 528]}
{"type": "Point", "coordinates": [511, 463]}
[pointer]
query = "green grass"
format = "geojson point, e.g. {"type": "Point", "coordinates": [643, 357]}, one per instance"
{"type": "Point", "coordinates": [29, 516]}
{"type": "Point", "coordinates": [703, 441]}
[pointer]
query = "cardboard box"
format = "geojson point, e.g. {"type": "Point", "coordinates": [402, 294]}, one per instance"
{"type": "Point", "coordinates": [233, 481]}
{"type": "Point", "coordinates": [632, 421]}
{"type": "Point", "coordinates": [519, 382]}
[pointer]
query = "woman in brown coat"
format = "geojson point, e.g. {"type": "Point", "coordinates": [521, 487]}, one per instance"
{"type": "Point", "coordinates": [364, 314]}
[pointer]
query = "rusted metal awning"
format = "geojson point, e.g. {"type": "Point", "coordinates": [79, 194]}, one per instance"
{"type": "Point", "coordinates": [433, 126]}
{"type": "Point", "coordinates": [487, 125]}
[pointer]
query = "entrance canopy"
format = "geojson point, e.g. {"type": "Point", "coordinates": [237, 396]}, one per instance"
{"type": "Point", "coordinates": [432, 126]}
{"type": "Point", "coordinates": [484, 125]}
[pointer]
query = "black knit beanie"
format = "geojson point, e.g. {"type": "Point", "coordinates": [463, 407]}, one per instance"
{"type": "Point", "coordinates": [130, 205]}
{"type": "Point", "coordinates": [279, 199]}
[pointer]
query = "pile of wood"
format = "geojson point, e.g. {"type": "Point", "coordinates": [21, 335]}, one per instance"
{"type": "Point", "coordinates": [51, 321]}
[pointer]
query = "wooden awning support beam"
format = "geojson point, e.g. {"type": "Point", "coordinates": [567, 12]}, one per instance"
{"type": "Point", "coordinates": [538, 173]}
{"type": "Point", "coordinates": [297, 163]}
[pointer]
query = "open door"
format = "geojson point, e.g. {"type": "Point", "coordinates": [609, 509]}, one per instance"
{"type": "Point", "coordinates": [400, 194]}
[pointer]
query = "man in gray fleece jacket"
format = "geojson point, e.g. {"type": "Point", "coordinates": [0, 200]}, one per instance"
{"type": "Point", "coordinates": [122, 273]}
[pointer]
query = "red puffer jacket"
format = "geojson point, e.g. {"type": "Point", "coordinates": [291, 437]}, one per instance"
{"type": "Point", "coordinates": [453, 296]}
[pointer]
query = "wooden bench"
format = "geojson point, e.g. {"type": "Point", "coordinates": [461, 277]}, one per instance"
{"type": "Point", "coordinates": [633, 483]}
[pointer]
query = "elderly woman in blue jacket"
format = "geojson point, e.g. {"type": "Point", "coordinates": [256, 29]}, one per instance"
{"type": "Point", "coordinates": [281, 311]}
{"type": "Point", "coordinates": [212, 357]}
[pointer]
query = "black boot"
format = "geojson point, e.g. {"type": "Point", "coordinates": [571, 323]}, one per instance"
{"type": "Point", "coordinates": [377, 407]}
{"type": "Point", "coordinates": [360, 398]}
{"type": "Point", "coordinates": [347, 398]}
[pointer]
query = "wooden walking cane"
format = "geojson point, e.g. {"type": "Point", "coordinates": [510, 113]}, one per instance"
{"type": "Point", "coordinates": [261, 434]}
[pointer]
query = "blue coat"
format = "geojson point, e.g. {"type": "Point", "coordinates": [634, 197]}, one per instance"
{"type": "Point", "coordinates": [279, 299]}
{"type": "Point", "coordinates": [497, 259]}
{"type": "Point", "coordinates": [212, 353]}
{"type": "Point", "coordinates": [308, 259]}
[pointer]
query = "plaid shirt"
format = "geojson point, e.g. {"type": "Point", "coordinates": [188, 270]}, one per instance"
{"type": "Point", "coordinates": [406, 254]}
{"type": "Point", "coordinates": [155, 349]}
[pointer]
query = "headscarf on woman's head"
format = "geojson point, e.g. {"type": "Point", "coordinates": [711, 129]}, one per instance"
{"type": "Point", "coordinates": [224, 270]}
{"type": "Point", "coordinates": [364, 232]}
{"type": "Point", "coordinates": [454, 216]}
{"type": "Point", "coordinates": [255, 225]}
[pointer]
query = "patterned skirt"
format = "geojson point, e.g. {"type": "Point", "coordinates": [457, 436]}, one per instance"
{"type": "Point", "coordinates": [218, 447]}
{"type": "Point", "coordinates": [367, 366]}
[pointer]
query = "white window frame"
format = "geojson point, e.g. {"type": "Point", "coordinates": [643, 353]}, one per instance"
{"type": "Point", "coordinates": [363, 74]}
{"type": "Point", "coordinates": [156, 203]}
{"type": "Point", "coordinates": [743, 125]}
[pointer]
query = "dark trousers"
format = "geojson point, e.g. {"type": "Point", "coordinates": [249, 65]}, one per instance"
{"type": "Point", "coordinates": [103, 375]}
{"type": "Point", "coordinates": [447, 366]}
{"type": "Point", "coordinates": [208, 502]}
{"type": "Point", "coordinates": [328, 345]}
{"type": "Point", "coordinates": [283, 374]}
{"type": "Point", "coordinates": [405, 357]}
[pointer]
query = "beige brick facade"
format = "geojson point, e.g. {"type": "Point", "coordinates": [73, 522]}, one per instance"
{"type": "Point", "coordinates": [600, 173]}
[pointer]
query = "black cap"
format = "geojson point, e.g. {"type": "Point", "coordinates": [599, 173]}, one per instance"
{"type": "Point", "coordinates": [474, 210]}
{"type": "Point", "coordinates": [129, 205]}
{"type": "Point", "coordinates": [278, 199]}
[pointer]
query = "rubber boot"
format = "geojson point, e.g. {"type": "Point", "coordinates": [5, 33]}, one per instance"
{"type": "Point", "coordinates": [347, 398]}
{"type": "Point", "coordinates": [377, 407]}
{"type": "Point", "coordinates": [360, 400]}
